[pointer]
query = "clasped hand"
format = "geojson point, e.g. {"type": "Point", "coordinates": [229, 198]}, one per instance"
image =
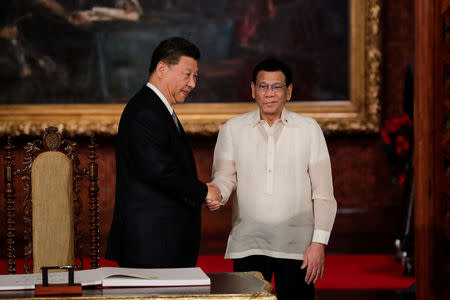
{"type": "Point", "coordinates": [213, 198]}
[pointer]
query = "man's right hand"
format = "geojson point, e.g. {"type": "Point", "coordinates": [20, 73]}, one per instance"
{"type": "Point", "coordinates": [213, 198]}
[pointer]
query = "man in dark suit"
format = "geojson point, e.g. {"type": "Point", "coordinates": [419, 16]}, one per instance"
{"type": "Point", "coordinates": [156, 221]}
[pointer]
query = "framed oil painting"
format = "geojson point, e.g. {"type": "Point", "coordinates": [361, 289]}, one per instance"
{"type": "Point", "coordinates": [75, 63]}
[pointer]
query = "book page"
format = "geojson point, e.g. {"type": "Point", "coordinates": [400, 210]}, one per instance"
{"type": "Point", "coordinates": [158, 277]}
{"type": "Point", "coordinates": [28, 281]}
{"type": "Point", "coordinates": [112, 277]}
{"type": "Point", "coordinates": [19, 282]}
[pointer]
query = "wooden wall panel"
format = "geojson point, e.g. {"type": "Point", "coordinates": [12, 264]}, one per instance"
{"type": "Point", "coordinates": [431, 205]}
{"type": "Point", "coordinates": [398, 51]}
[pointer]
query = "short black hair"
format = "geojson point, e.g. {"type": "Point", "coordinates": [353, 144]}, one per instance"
{"type": "Point", "coordinates": [170, 51]}
{"type": "Point", "coordinates": [272, 65]}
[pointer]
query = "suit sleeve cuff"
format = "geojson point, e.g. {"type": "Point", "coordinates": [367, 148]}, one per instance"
{"type": "Point", "coordinates": [203, 191]}
{"type": "Point", "coordinates": [321, 236]}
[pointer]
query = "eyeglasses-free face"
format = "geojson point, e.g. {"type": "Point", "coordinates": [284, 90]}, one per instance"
{"type": "Point", "coordinates": [179, 79]}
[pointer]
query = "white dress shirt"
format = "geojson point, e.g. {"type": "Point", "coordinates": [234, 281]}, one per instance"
{"type": "Point", "coordinates": [282, 177]}
{"type": "Point", "coordinates": [161, 96]}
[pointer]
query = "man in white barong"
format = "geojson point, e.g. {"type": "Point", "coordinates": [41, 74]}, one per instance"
{"type": "Point", "coordinates": [277, 161]}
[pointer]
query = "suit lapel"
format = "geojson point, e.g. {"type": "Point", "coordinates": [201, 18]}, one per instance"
{"type": "Point", "coordinates": [188, 149]}
{"type": "Point", "coordinates": [163, 109]}
{"type": "Point", "coordinates": [180, 136]}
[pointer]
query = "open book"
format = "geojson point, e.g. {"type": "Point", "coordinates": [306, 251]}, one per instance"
{"type": "Point", "coordinates": [112, 277]}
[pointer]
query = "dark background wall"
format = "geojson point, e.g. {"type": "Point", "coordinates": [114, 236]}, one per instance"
{"type": "Point", "coordinates": [370, 207]}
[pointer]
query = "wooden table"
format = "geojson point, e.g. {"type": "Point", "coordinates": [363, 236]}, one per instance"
{"type": "Point", "coordinates": [223, 286]}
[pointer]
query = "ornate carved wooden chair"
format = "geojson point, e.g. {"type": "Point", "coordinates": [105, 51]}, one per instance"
{"type": "Point", "coordinates": [51, 176]}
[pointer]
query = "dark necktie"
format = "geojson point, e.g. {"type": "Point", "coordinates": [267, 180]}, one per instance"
{"type": "Point", "coordinates": [175, 119]}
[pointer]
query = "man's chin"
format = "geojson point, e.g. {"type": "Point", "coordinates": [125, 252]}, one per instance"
{"type": "Point", "coordinates": [180, 100]}
{"type": "Point", "coordinates": [270, 111]}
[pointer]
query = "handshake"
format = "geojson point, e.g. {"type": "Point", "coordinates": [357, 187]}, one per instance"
{"type": "Point", "coordinates": [213, 198]}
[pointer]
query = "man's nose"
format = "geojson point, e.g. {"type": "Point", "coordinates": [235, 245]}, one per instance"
{"type": "Point", "coordinates": [192, 82]}
{"type": "Point", "coordinates": [269, 92]}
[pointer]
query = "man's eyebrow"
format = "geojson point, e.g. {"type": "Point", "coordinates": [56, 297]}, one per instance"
{"type": "Point", "coordinates": [276, 82]}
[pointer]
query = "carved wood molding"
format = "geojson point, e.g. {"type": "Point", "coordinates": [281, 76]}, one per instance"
{"type": "Point", "coordinates": [10, 196]}
{"type": "Point", "coordinates": [94, 226]}
{"type": "Point", "coordinates": [51, 141]}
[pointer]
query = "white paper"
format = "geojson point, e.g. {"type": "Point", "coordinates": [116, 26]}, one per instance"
{"type": "Point", "coordinates": [110, 277]}
{"type": "Point", "coordinates": [19, 282]}
{"type": "Point", "coordinates": [157, 277]}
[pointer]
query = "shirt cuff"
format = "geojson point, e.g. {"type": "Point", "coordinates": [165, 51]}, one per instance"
{"type": "Point", "coordinates": [223, 192]}
{"type": "Point", "coordinates": [321, 236]}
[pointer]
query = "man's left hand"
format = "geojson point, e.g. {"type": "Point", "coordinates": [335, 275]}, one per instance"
{"type": "Point", "coordinates": [314, 260]}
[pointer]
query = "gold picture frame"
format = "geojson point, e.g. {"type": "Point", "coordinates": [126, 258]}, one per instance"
{"type": "Point", "coordinates": [361, 113]}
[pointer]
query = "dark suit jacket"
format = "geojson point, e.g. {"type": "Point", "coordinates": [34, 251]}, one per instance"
{"type": "Point", "coordinates": [156, 221]}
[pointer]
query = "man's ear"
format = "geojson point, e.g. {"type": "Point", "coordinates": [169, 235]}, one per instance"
{"type": "Point", "coordinates": [252, 85]}
{"type": "Point", "coordinates": [161, 69]}
{"type": "Point", "coordinates": [289, 92]}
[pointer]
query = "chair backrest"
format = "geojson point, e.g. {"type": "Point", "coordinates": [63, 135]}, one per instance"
{"type": "Point", "coordinates": [52, 210]}
{"type": "Point", "coordinates": [51, 176]}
